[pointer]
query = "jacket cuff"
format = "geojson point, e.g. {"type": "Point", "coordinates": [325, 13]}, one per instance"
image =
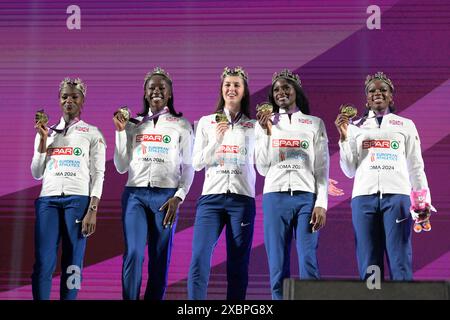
{"type": "Point", "coordinates": [323, 203]}
{"type": "Point", "coordinates": [96, 193]}
{"type": "Point", "coordinates": [180, 194]}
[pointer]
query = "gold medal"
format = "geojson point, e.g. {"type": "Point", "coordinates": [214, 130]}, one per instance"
{"type": "Point", "coordinates": [348, 110]}
{"type": "Point", "coordinates": [221, 117]}
{"type": "Point", "coordinates": [41, 118]}
{"type": "Point", "coordinates": [264, 107]}
{"type": "Point", "coordinates": [125, 113]}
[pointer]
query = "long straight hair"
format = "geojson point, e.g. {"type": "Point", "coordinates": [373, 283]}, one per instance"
{"type": "Point", "coordinates": [245, 102]}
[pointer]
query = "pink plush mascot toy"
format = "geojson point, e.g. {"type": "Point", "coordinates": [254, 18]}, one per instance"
{"type": "Point", "coordinates": [421, 211]}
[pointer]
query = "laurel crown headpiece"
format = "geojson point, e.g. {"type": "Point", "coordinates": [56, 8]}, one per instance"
{"type": "Point", "coordinates": [157, 71]}
{"type": "Point", "coordinates": [77, 83]}
{"type": "Point", "coordinates": [286, 74]}
{"type": "Point", "coordinates": [378, 76]}
{"type": "Point", "coordinates": [238, 71]}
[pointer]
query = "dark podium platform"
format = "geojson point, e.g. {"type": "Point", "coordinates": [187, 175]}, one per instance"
{"type": "Point", "coordinates": [294, 289]}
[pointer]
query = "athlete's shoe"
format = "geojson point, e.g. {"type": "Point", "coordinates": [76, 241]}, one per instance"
{"type": "Point", "coordinates": [417, 228]}
{"type": "Point", "coordinates": [426, 225]}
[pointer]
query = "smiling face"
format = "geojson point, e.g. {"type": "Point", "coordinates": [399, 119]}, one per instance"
{"type": "Point", "coordinates": [233, 92]}
{"type": "Point", "coordinates": [71, 101]}
{"type": "Point", "coordinates": [379, 96]}
{"type": "Point", "coordinates": [157, 93]}
{"type": "Point", "coordinates": [284, 94]}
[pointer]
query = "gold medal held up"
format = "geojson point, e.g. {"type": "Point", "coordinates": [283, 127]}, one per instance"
{"type": "Point", "coordinates": [125, 113]}
{"type": "Point", "coordinates": [264, 107]}
{"type": "Point", "coordinates": [221, 117]}
{"type": "Point", "coordinates": [348, 110]}
{"type": "Point", "coordinates": [41, 118]}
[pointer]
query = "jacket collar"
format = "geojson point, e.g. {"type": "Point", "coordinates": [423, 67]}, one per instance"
{"type": "Point", "coordinates": [297, 110]}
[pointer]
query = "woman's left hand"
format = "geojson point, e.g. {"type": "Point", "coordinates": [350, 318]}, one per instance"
{"type": "Point", "coordinates": [89, 223]}
{"type": "Point", "coordinates": [318, 218]}
{"type": "Point", "coordinates": [333, 190]}
{"type": "Point", "coordinates": [172, 206]}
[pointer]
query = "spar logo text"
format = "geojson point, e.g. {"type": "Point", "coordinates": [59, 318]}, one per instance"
{"type": "Point", "coordinates": [383, 144]}
{"type": "Point", "coordinates": [153, 138]}
{"type": "Point", "coordinates": [149, 138]}
{"type": "Point", "coordinates": [290, 143]}
{"type": "Point", "coordinates": [228, 149]}
{"type": "Point", "coordinates": [63, 151]}
{"type": "Point", "coordinates": [231, 149]}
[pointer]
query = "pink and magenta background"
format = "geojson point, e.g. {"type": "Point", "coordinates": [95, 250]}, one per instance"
{"type": "Point", "coordinates": [326, 42]}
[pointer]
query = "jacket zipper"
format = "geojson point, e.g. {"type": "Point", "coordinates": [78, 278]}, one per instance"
{"type": "Point", "coordinates": [290, 189]}
{"type": "Point", "coordinates": [150, 167]}
{"type": "Point", "coordinates": [380, 189]}
{"type": "Point", "coordinates": [229, 174]}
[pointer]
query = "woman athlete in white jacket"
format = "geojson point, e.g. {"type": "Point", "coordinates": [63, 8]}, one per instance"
{"type": "Point", "coordinates": [382, 152]}
{"type": "Point", "coordinates": [156, 152]}
{"type": "Point", "coordinates": [292, 153]}
{"type": "Point", "coordinates": [225, 148]}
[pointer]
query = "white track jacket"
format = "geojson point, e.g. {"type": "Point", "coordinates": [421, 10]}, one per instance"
{"type": "Point", "coordinates": [229, 166]}
{"type": "Point", "coordinates": [74, 163]}
{"type": "Point", "coordinates": [295, 157]}
{"type": "Point", "coordinates": [156, 155]}
{"type": "Point", "coordinates": [385, 159]}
